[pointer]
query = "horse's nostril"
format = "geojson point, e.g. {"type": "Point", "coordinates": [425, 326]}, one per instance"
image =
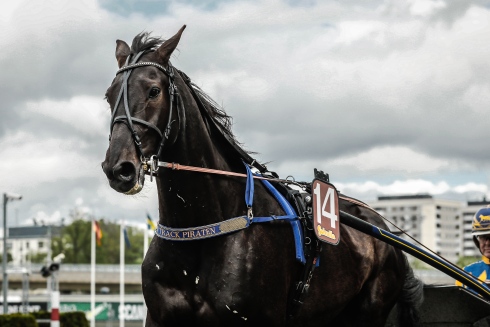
{"type": "Point", "coordinates": [125, 171]}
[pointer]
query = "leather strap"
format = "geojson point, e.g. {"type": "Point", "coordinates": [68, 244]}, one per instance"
{"type": "Point", "coordinates": [127, 119]}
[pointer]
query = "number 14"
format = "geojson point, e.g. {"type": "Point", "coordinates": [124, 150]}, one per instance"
{"type": "Point", "coordinates": [320, 208]}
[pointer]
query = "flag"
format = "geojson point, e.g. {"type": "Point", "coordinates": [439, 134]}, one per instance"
{"type": "Point", "coordinates": [98, 233]}
{"type": "Point", "coordinates": [126, 237]}
{"type": "Point", "coordinates": [149, 222]}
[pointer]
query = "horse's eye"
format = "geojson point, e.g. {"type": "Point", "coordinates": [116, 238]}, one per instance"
{"type": "Point", "coordinates": [154, 92]}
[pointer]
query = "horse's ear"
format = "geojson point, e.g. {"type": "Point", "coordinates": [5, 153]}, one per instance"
{"type": "Point", "coordinates": [166, 49]}
{"type": "Point", "coordinates": [122, 52]}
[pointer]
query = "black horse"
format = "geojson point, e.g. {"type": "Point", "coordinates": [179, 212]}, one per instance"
{"type": "Point", "coordinates": [248, 273]}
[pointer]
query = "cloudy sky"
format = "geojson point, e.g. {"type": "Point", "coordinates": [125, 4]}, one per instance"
{"type": "Point", "coordinates": [388, 97]}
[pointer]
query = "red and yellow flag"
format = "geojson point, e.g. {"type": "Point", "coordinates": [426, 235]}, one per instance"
{"type": "Point", "coordinates": [98, 233]}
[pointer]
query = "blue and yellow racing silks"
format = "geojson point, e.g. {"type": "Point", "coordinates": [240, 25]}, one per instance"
{"type": "Point", "coordinates": [480, 270]}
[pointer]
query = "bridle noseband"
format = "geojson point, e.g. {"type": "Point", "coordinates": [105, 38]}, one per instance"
{"type": "Point", "coordinates": [128, 120]}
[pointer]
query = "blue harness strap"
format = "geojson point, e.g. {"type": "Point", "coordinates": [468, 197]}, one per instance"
{"type": "Point", "coordinates": [238, 223]}
{"type": "Point", "coordinates": [295, 224]}
{"type": "Point", "coordinates": [249, 189]}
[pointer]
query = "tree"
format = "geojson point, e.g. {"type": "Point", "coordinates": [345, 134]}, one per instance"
{"type": "Point", "coordinates": [9, 257]}
{"type": "Point", "coordinates": [38, 257]}
{"type": "Point", "coordinates": [109, 251]}
{"type": "Point", "coordinates": [75, 241]}
{"type": "Point", "coordinates": [464, 261]}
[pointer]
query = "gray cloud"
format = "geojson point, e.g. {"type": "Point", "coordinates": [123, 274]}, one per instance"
{"type": "Point", "coordinates": [307, 83]}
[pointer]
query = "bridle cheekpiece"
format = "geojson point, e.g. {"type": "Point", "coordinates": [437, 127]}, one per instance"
{"type": "Point", "coordinates": [149, 164]}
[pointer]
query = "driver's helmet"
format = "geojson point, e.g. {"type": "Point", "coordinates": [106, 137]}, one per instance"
{"type": "Point", "coordinates": [481, 222]}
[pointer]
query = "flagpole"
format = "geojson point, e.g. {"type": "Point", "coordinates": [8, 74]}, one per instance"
{"type": "Point", "coordinates": [145, 241]}
{"type": "Point", "coordinates": [145, 249]}
{"type": "Point", "coordinates": [92, 273]}
{"type": "Point", "coordinates": [121, 276]}
{"type": "Point", "coordinates": [150, 226]}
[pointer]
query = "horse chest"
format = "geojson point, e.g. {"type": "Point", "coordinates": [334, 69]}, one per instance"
{"type": "Point", "coordinates": [201, 288]}
{"type": "Point", "coordinates": [188, 297]}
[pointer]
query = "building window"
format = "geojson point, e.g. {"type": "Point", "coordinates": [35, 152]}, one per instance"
{"type": "Point", "coordinates": [40, 245]}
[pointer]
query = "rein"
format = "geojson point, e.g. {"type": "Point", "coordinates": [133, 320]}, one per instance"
{"type": "Point", "coordinates": [154, 164]}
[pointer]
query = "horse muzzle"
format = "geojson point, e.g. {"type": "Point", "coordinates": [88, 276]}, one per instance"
{"type": "Point", "coordinates": [125, 177]}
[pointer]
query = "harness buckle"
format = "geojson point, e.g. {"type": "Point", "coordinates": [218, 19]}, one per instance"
{"type": "Point", "coordinates": [136, 139]}
{"type": "Point", "coordinates": [153, 166]}
{"type": "Point", "coordinates": [250, 214]}
{"type": "Point", "coordinates": [170, 71]}
{"type": "Point", "coordinates": [145, 163]}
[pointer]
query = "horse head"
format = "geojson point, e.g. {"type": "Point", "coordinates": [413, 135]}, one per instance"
{"type": "Point", "coordinates": [142, 102]}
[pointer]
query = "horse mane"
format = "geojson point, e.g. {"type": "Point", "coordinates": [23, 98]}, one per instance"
{"type": "Point", "coordinates": [144, 42]}
{"type": "Point", "coordinates": [217, 113]}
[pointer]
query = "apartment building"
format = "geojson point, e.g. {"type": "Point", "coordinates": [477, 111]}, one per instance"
{"type": "Point", "coordinates": [25, 241]}
{"type": "Point", "coordinates": [436, 223]}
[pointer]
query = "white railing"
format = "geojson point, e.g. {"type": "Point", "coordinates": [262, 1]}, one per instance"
{"type": "Point", "coordinates": [36, 267]}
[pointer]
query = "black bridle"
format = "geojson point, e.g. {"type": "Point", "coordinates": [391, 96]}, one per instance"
{"type": "Point", "coordinates": [151, 163]}
{"type": "Point", "coordinates": [128, 120]}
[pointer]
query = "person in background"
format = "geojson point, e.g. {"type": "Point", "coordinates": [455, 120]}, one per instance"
{"type": "Point", "coordinates": [481, 236]}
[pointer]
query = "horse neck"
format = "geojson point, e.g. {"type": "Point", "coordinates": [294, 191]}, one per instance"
{"type": "Point", "coordinates": [188, 199]}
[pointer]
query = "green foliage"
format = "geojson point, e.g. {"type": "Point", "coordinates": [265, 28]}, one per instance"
{"type": "Point", "coordinates": [75, 242]}
{"type": "Point", "coordinates": [419, 264]}
{"type": "Point", "coordinates": [67, 319]}
{"type": "Point", "coordinates": [42, 315]}
{"type": "Point", "coordinates": [38, 257]}
{"type": "Point", "coordinates": [9, 258]}
{"type": "Point", "coordinates": [77, 319]}
{"type": "Point", "coordinates": [18, 320]}
{"type": "Point", "coordinates": [464, 261]}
